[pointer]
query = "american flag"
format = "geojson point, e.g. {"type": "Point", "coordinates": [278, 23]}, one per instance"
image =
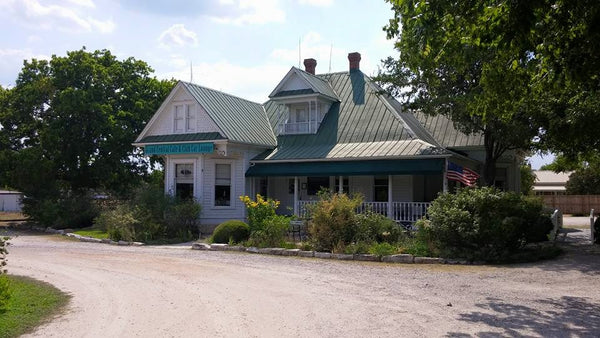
{"type": "Point", "coordinates": [464, 175]}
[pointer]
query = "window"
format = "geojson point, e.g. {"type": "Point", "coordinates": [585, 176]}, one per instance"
{"type": "Point", "coordinates": [222, 185]}
{"type": "Point", "coordinates": [184, 180]}
{"type": "Point", "coordinates": [314, 184]}
{"type": "Point", "coordinates": [184, 119]}
{"type": "Point", "coordinates": [345, 185]}
{"type": "Point", "coordinates": [380, 193]}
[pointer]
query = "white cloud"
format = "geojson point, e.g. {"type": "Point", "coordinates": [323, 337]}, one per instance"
{"type": "Point", "coordinates": [11, 63]}
{"type": "Point", "coordinates": [318, 3]}
{"type": "Point", "coordinates": [66, 16]}
{"type": "Point", "coordinates": [249, 12]}
{"type": "Point", "coordinates": [178, 35]}
{"type": "Point", "coordinates": [251, 83]}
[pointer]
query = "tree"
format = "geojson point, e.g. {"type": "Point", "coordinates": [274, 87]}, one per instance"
{"type": "Point", "coordinates": [584, 181]}
{"type": "Point", "coordinates": [68, 124]}
{"type": "Point", "coordinates": [509, 70]}
{"type": "Point", "coordinates": [527, 179]}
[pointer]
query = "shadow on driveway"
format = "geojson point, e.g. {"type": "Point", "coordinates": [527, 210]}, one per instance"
{"type": "Point", "coordinates": [563, 317]}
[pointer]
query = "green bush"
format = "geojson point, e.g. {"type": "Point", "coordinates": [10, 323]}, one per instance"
{"type": "Point", "coordinates": [383, 249]}
{"type": "Point", "coordinates": [539, 230]}
{"type": "Point", "coordinates": [333, 221]}
{"type": "Point", "coordinates": [481, 224]}
{"type": "Point", "coordinates": [120, 223]}
{"type": "Point", "coordinates": [4, 283]}
{"type": "Point", "coordinates": [73, 210]}
{"type": "Point", "coordinates": [233, 230]}
{"type": "Point", "coordinates": [374, 227]}
{"type": "Point", "coordinates": [272, 234]}
{"type": "Point", "coordinates": [181, 219]}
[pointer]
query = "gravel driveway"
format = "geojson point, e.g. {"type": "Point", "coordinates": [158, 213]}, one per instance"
{"type": "Point", "coordinates": [175, 292]}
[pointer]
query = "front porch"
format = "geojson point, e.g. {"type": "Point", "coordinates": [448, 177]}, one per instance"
{"type": "Point", "coordinates": [402, 198]}
{"type": "Point", "coordinates": [400, 212]}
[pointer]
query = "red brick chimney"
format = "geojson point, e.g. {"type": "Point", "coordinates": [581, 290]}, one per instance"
{"type": "Point", "coordinates": [354, 59]}
{"type": "Point", "coordinates": [310, 65]}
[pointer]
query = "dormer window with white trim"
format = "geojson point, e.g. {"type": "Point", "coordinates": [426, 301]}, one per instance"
{"type": "Point", "coordinates": [302, 117]}
{"type": "Point", "coordinates": [184, 119]}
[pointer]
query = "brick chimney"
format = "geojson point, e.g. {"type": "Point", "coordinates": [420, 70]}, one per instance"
{"type": "Point", "coordinates": [354, 59]}
{"type": "Point", "coordinates": [310, 65]}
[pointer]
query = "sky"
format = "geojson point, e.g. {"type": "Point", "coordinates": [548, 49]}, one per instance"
{"type": "Point", "coordinates": [242, 47]}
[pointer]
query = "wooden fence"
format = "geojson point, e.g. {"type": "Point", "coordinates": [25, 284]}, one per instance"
{"type": "Point", "coordinates": [573, 204]}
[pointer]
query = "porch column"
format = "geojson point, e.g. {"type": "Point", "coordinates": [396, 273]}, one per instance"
{"type": "Point", "coordinates": [445, 176]}
{"type": "Point", "coordinates": [341, 181]}
{"type": "Point", "coordinates": [390, 200]}
{"type": "Point", "coordinates": [296, 210]}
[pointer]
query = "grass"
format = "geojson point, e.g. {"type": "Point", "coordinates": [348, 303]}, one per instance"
{"type": "Point", "coordinates": [92, 232]}
{"type": "Point", "coordinates": [32, 302]}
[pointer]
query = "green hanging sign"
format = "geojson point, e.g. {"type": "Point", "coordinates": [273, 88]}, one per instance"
{"type": "Point", "coordinates": [179, 148]}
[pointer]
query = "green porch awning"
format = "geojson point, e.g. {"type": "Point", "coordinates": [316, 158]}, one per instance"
{"type": "Point", "coordinates": [433, 166]}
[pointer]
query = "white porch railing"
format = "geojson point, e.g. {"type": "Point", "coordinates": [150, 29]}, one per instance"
{"type": "Point", "coordinates": [402, 212]}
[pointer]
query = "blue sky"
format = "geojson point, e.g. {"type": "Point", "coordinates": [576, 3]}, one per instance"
{"type": "Point", "coordinates": [243, 47]}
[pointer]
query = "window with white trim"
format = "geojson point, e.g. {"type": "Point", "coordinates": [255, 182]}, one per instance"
{"type": "Point", "coordinates": [184, 180]}
{"type": "Point", "coordinates": [222, 184]}
{"type": "Point", "coordinates": [184, 119]}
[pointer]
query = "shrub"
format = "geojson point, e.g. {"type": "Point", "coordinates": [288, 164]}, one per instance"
{"type": "Point", "coordinates": [4, 283]}
{"type": "Point", "coordinates": [181, 219]}
{"type": "Point", "coordinates": [374, 227]}
{"type": "Point", "coordinates": [272, 234]}
{"type": "Point", "coordinates": [539, 230]}
{"type": "Point", "coordinates": [481, 224]}
{"type": "Point", "coordinates": [258, 211]}
{"type": "Point", "coordinates": [73, 210]}
{"type": "Point", "coordinates": [382, 249]}
{"type": "Point", "coordinates": [334, 221]}
{"type": "Point", "coordinates": [234, 230]}
{"type": "Point", "coordinates": [119, 223]}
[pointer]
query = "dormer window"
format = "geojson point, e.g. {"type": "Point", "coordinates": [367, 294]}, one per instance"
{"type": "Point", "coordinates": [302, 117]}
{"type": "Point", "coordinates": [184, 119]}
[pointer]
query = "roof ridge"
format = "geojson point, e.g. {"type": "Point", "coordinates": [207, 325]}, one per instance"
{"type": "Point", "coordinates": [219, 91]}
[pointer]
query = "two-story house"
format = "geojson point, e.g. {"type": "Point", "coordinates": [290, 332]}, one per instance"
{"type": "Point", "coordinates": [334, 131]}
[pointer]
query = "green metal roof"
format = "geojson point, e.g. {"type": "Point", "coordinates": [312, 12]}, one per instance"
{"type": "Point", "coordinates": [443, 130]}
{"type": "Point", "coordinates": [318, 86]}
{"type": "Point", "coordinates": [181, 138]}
{"type": "Point", "coordinates": [240, 120]}
{"type": "Point", "coordinates": [365, 150]}
{"type": "Point", "coordinates": [433, 166]}
{"type": "Point", "coordinates": [363, 124]}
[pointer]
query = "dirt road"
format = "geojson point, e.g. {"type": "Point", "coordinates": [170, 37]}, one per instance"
{"type": "Point", "coordinates": [176, 292]}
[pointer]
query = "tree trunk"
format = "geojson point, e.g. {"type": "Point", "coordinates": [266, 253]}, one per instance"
{"type": "Point", "coordinates": [489, 166]}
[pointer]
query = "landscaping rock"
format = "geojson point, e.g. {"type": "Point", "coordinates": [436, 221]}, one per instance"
{"type": "Point", "coordinates": [325, 255]}
{"type": "Point", "coordinates": [277, 251]}
{"type": "Point", "coordinates": [402, 258]}
{"type": "Point", "coordinates": [303, 253]}
{"type": "Point", "coordinates": [291, 252]}
{"type": "Point", "coordinates": [342, 257]}
{"type": "Point", "coordinates": [113, 243]}
{"type": "Point", "coordinates": [123, 243]}
{"type": "Point", "coordinates": [95, 240]}
{"type": "Point", "coordinates": [252, 249]}
{"type": "Point", "coordinates": [104, 240]}
{"type": "Point", "coordinates": [60, 232]}
{"type": "Point", "coordinates": [234, 248]}
{"type": "Point", "coordinates": [366, 258]}
{"type": "Point", "coordinates": [137, 243]}
{"type": "Point", "coordinates": [218, 247]}
{"type": "Point", "coordinates": [428, 260]}
{"type": "Point", "coordinates": [265, 251]}
{"type": "Point", "coordinates": [200, 246]}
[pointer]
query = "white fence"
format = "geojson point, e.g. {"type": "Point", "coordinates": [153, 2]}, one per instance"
{"type": "Point", "coordinates": [403, 212]}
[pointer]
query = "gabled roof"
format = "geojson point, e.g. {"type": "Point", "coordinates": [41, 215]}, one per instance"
{"type": "Point", "coordinates": [364, 124]}
{"type": "Point", "coordinates": [240, 120]}
{"type": "Point", "coordinates": [316, 85]}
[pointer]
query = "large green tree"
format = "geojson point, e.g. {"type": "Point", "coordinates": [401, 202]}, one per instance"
{"type": "Point", "coordinates": [68, 124]}
{"type": "Point", "coordinates": [507, 70]}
